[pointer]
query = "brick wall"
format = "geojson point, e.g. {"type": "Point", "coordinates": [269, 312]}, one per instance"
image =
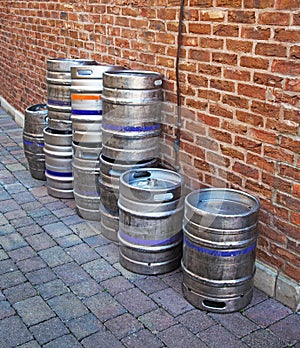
{"type": "Point", "coordinates": [239, 75]}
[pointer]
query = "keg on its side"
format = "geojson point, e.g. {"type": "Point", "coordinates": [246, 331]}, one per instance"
{"type": "Point", "coordinates": [33, 139]}
{"type": "Point", "coordinates": [220, 233]}
{"type": "Point", "coordinates": [150, 227]}
{"type": "Point", "coordinates": [58, 90]}
{"type": "Point", "coordinates": [131, 115]}
{"type": "Point", "coordinates": [110, 172]}
{"type": "Point", "coordinates": [58, 161]}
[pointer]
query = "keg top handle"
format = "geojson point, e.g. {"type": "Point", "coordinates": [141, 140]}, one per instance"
{"type": "Point", "coordinates": [250, 203]}
{"type": "Point", "coordinates": [37, 107]}
{"type": "Point", "coordinates": [92, 71]}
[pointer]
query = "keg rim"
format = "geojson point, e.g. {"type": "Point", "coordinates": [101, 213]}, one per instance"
{"type": "Point", "coordinates": [189, 200]}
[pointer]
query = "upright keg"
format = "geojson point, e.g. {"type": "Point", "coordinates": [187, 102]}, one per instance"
{"type": "Point", "coordinates": [86, 181]}
{"type": "Point", "coordinates": [131, 115]}
{"type": "Point", "coordinates": [33, 139]}
{"type": "Point", "coordinates": [58, 90]}
{"type": "Point", "coordinates": [110, 172]}
{"type": "Point", "coordinates": [58, 161]}
{"type": "Point", "coordinates": [220, 233]}
{"type": "Point", "coordinates": [150, 220]}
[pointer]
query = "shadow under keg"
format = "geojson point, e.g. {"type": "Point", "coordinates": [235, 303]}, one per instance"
{"type": "Point", "coordinates": [218, 262]}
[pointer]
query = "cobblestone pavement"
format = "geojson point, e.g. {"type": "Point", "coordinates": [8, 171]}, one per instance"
{"type": "Point", "coordinates": [61, 284]}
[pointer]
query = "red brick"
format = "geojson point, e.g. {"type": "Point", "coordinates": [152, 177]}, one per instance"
{"type": "Point", "coordinates": [199, 28]}
{"type": "Point", "coordinates": [236, 74]}
{"type": "Point", "coordinates": [271, 50]}
{"type": "Point", "coordinates": [229, 3]}
{"type": "Point", "coordinates": [271, 233]}
{"type": "Point", "coordinates": [220, 135]}
{"type": "Point", "coordinates": [241, 16]}
{"type": "Point", "coordinates": [212, 15]}
{"type": "Point", "coordinates": [278, 154]}
{"type": "Point", "coordinates": [245, 170]}
{"type": "Point", "coordinates": [288, 201]}
{"type": "Point", "coordinates": [287, 4]}
{"type": "Point", "coordinates": [222, 85]}
{"type": "Point", "coordinates": [265, 109]}
{"type": "Point", "coordinates": [296, 19]}
{"type": "Point", "coordinates": [295, 218]}
{"type": "Point", "coordinates": [232, 152]}
{"type": "Point", "coordinates": [286, 67]}
{"type": "Point", "coordinates": [197, 80]}
{"type": "Point", "coordinates": [292, 272]}
{"type": "Point", "coordinates": [264, 136]}
{"type": "Point", "coordinates": [235, 101]}
{"type": "Point", "coordinates": [289, 171]}
{"type": "Point", "coordinates": [209, 94]}
{"type": "Point", "coordinates": [259, 162]}
{"type": "Point", "coordinates": [239, 45]}
{"type": "Point", "coordinates": [257, 33]}
{"type": "Point", "coordinates": [282, 127]}
{"type": "Point", "coordinates": [260, 4]}
{"type": "Point", "coordinates": [211, 43]}
{"type": "Point", "coordinates": [257, 189]}
{"type": "Point", "coordinates": [208, 69]}
{"type": "Point", "coordinates": [224, 58]}
{"type": "Point", "coordinates": [208, 120]}
{"type": "Point", "coordinates": [254, 63]}
{"type": "Point", "coordinates": [207, 143]}
{"type": "Point", "coordinates": [251, 91]}
{"type": "Point", "coordinates": [226, 30]}
{"type": "Point", "coordinates": [249, 118]}
{"type": "Point", "coordinates": [247, 144]}
{"type": "Point", "coordinates": [285, 254]}
{"type": "Point", "coordinates": [267, 79]}
{"type": "Point", "coordinates": [202, 3]}
{"type": "Point", "coordinates": [200, 55]}
{"type": "Point", "coordinates": [274, 18]}
{"type": "Point", "coordinates": [235, 128]}
{"type": "Point", "coordinates": [293, 85]}
{"type": "Point", "coordinates": [296, 190]}
{"type": "Point", "coordinates": [290, 144]}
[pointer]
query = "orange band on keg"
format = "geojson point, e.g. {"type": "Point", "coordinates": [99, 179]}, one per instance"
{"type": "Point", "coordinates": [85, 97]}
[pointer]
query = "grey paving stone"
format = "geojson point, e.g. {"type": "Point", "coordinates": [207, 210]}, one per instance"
{"type": "Point", "coordinates": [36, 213]}
{"type": "Point", "coordinates": [22, 253]}
{"type": "Point", "coordinates": [84, 326]}
{"type": "Point", "coordinates": [288, 329]}
{"type": "Point", "coordinates": [14, 188]}
{"type": "Point", "coordinates": [30, 230]}
{"type": "Point", "coordinates": [31, 344]}
{"type": "Point", "coordinates": [3, 255]}
{"type": "Point", "coordinates": [142, 338]}
{"type": "Point", "coordinates": [101, 339]}
{"type": "Point", "coordinates": [57, 229]}
{"type": "Point", "coordinates": [68, 241]}
{"type": "Point", "coordinates": [71, 273]}
{"type": "Point", "coordinates": [174, 280]}
{"type": "Point", "coordinates": [218, 337]}
{"type": "Point", "coordinates": [263, 339]}
{"type": "Point", "coordinates": [15, 215]}
{"type": "Point", "coordinates": [104, 306]}
{"type": "Point", "coordinates": [136, 302]}
{"type": "Point", "coordinates": [86, 288]}
{"type": "Point", "coordinates": [10, 279]}
{"type": "Point", "coordinates": [23, 197]}
{"type": "Point", "coordinates": [235, 323]}
{"type": "Point", "coordinates": [40, 241]}
{"type": "Point", "coordinates": [52, 289]}
{"type": "Point", "coordinates": [275, 310]}
{"type": "Point", "coordinates": [110, 252]}
{"type": "Point", "coordinates": [55, 256]}
{"type": "Point", "coordinates": [258, 296]}
{"type": "Point", "coordinates": [173, 302]}
{"type": "Point", "coordinates": [67, 306]}
{"type": "Point", "coordinates": [55, 205]}
{"type": "Point", "coordinates": [3, 220]}
{"type": "Point", "coordinates": [67, 341]}
{"type": "Point", "coordinates": [196, 320]}
{"type": "Point", "coordinates": [8, 205]}
{"type": "Point", "coordinates": [82, 253]}
{"type": "Point", "coordinates": [64, 213]}
{"type": "Point", "coordinates": [12, 241]}
{"type": "Point", "coordinates": [33, 310]}
{"type": "Point", "coordinates": [4, 196]}
{"type": "Point", "coordinates": [157, 320]}
{"type": "Point", "coordinates": [31, 205]}
{"type": "Point", "coordinates": [21, 222]}
{"type": "Point", "coordinates": [127, 274]}
{"type": "Point", "coordinates": [13, 332]}
{"type": "Point", "coordinates": [6, 229]}
{"type": "Point", "coordinates": [6, 310]}
{"type": "Point", "coordinates": [39, 191]}
{"type": "Point", "coordinates": [83, 230]}
{"type": "Point", "coordinates": [7, 266]}
{"type": "Point", "coordinates": [49, 330]}
{"type": "Point", "coordinates": [100, 270]}
{"type": "Point", "coordinates": [123, 325]}
{"type": "Point", "coordinates": [150, 284]}
{"type": "Point", "coordinates": [46, 219]}
{"type": "Point", "coordinates": [96, 241]}
{"type": "Point", "coordinates": [116, 285]}
{"type": "Point", "coordinates": [41, 276]}
{"type": "Point", "coordinates": [71, 220]}
{"type": "Point", "coordinates": [2, 297]}
{"type": "Point", "coordinates": [31, 264]}
{"type": "Point", "coordinates": [19, 292]}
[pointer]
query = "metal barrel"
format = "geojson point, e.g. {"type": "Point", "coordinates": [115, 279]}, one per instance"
{"type": "Point", "coordinates": [33, 139]}
{"type": "Point", "coordinates": [58, 162]}
{"type": "Point", "coordinates": [219, 245]}
{"type": "Point", "coordinates": [150, 220]}
{"type": "Point", "coordinates": [131, 115]}
{"type": "Point", "coordinates": [86, 102]}
{"type": "Point", "coordinates": [58, 90]}
{"type": "Point", "coordinates": [110, 172]}
{"type": "Point", "coordinates": [86, 181]}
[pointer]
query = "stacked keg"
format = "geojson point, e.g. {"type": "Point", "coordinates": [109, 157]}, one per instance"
{"type": "Point", "coordinates": [130, 132]}
{"type": "Point", "coordinates": [33, 139]}
{"type": "Point", "coordinates": [86, 118]}
{"type": "Point", "coordinates": [58, 134]}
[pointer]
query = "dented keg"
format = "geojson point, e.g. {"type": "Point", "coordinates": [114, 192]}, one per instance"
{"type": "Point", "coordinates": [33, 139]}
{"type": "Point", "coordinates": [58, 90]}
{"type": "Point", "coordinates": [58, 162]}
{"type": "Point", "coordinates": [131, 115]}
{"type": "Point", "coordinates": [150, 220]}
{"type": "Point", "coordinates": [220, 234]}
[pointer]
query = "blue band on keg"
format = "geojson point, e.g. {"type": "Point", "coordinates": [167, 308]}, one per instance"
{"type": "Point", "coordinates": [86, 112]}
{"type": "Point", "coordinates": [65, 175]}
{"type": "Point", "coordinates": [139, 241]}
{"type": "Point", "coordinates": [59, 102]}
{"type": "Point", "coordinates": [32, 143]}
{"type": "Point", "coordinates": [221, 253]}
{"type": "Point", "coordinates": [131, 128]}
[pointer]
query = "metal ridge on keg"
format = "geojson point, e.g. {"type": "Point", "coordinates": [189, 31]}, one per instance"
{"type": "Point", "coordinates": [65, 64]}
